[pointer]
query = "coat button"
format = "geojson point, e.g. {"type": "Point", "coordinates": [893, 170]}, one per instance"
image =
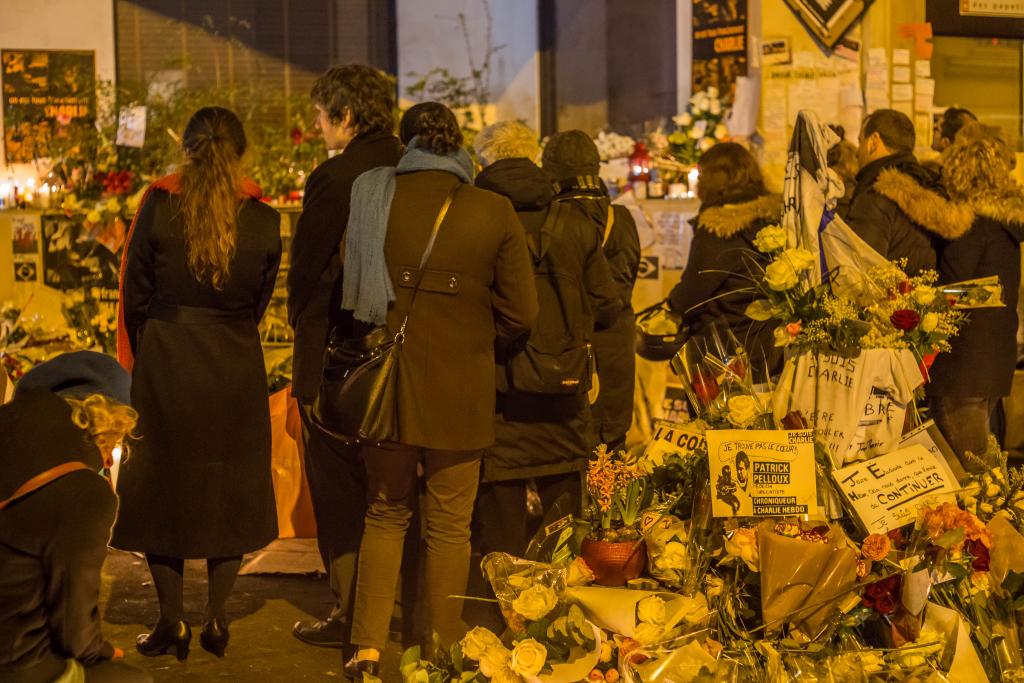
{"type": "Point", "coordinates": [453, 282]}
{"type": "Point", "coordinates": [406, 276]}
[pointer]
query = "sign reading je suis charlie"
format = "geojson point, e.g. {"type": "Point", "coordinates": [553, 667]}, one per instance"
{"type": "Point", "coordinates": [46, 93]}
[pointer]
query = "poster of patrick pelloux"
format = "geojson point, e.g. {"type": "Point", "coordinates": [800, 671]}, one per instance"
{"type": "Point", "coordinates": [761, 472]}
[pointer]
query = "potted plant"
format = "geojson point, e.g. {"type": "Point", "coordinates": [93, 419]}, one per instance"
{"type": "Point", "coordinates": [618, 492]}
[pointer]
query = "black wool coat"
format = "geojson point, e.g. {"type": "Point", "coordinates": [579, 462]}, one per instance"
{"type": "Point", "coordinates": [715, 285]}
{"type": "Point", "coordinates": [614, 345]}
{"type": "Point", "coordinates": [538, 436]}
{"type": "Point", "coordinates": [899, 209]}
{"type": "Point", "coordinates": [52, 543]}
{"type": "Point", "coordinates": [984, 354]}
{"type": "Point", "coordinates": [314, 269]}
{"type": "Point", "coordinates": [197, 482]}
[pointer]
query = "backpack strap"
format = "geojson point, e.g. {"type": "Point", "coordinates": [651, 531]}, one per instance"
{"type": "Point", "coordinates": [552, 226]}
{"type": "Point", "coordinates": [608, 224]}
{"type": "Point", "coordinates": [42, 479]}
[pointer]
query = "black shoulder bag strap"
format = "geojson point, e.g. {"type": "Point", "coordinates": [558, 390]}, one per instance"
{"type": "Point", "coordinates": [550, 228]}
{"type": "Point", "coordinates": [426, 255]}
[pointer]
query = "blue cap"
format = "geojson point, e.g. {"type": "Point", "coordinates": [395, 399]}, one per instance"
{"type": "Point", "coordinates": [79, 374]}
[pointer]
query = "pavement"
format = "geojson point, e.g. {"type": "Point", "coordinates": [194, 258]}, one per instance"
{"type": "Point", "coordinates": [262, 610]}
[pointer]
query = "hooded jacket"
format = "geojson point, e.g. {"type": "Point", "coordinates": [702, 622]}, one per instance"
{"type": "Point", "coordinates": [545, 435]}
{"type": "Point", "coordinates": [53, 542]}
{"type": "Point", "coordinates": [614, 345]}
{"type": "Point", "coordinates": [715, 286]}
{"type": "Point", "coordinates": [984, 354]}
{"type": "Point", "coordinates": [900, 210]}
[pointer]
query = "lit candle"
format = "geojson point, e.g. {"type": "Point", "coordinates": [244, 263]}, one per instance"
{"type": "Point", "coordinates": [44, 196]}
{"type": "Point", "coordinates": [692, 177]}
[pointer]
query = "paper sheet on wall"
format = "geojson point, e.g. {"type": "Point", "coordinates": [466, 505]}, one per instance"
{"type": "Point", "coordinates": [743, 116]}
{"type": "Point", "coordinates": [902, 92]}
{"type": "Point", "coordinates": [925, 86]}
{"type": "Point", "coordinates": [773, 112]}
{"type": "Point", "coordinates": [923, 68]}
{"type": "Point", "coordinates": [801, 92]}
{"type": "Point", "coordinates": [877, 56]}
{"type": "Point", "coordinates": [901, 56]}
{"type": "Point", "coordinates": [901, 74]}
{"type": "Point", "coordinates": [826, 103]}
{"type": "Point", "coordinates": [924, 103]}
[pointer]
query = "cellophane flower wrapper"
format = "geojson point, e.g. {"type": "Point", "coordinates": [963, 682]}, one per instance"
{"type": "Point", "coordinates": [685, 659]}
{"type": "Point", "coordinates": [668, 552]}
{"type": "Point", "coordinates": [510, 576]}
{"type": "Point", "coordinates": [803, 582]}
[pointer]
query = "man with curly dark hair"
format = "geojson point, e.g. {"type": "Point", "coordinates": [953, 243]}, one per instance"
{"type": "Point", "coordinates": [355, 113]}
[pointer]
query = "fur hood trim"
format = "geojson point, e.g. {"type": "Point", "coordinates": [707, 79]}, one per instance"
{"type": "Point", "coordinates": [1005, 207]}
{"type": "Point", "coordinates": [925, 207]}
{"type": "Point", "coordinates": [729, 219]}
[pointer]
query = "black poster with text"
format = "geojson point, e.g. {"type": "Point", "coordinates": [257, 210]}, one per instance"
{"type": "Point", "coordinates": [719, 45]}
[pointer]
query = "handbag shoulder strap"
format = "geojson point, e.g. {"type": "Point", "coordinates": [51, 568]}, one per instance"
{"type": "Point", "coordinates": [427, 251]}
{"type": "Point", "coordinates": [42, 479]}
{"type": "Point", "coordinates": [608, 224]}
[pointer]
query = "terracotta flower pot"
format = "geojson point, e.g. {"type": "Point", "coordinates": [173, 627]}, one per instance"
{"type": "Point", "coordinates": [614, 562]}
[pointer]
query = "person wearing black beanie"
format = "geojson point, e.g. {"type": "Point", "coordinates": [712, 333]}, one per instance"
{"type": "Point", "coordinates": [56, 512]}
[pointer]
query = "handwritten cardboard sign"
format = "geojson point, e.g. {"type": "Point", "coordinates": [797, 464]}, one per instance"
{"type": "Point", "coordinates": [761, 472]}
{"type": "Point", "coordinates": [671, 438]}
{"type": "Point", "coordinates": [886, 492]}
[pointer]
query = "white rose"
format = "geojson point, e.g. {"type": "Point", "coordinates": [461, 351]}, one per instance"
{"type": "Point", "coordinates": [651, 610]}
{"type": "Point", "coordinates": [771, 238]}
{"type": "Point", "coordinates": [535, 602]}
{"type": "Point", "coordinates": [682, 120]}
{"type": "Point", "coordinates": [528, 657]}
{"type": "Point", "coordinates": [781, 337]}
{"type": "Point", "coordinates": [716, 107]}
{"type": "Point", "coordinates": [924, 295]}
{"type": "Point", "coordinates": [672, 557]}
{"type": "Point", "coordinates": [713, 92]}
{"type": "Point", "coordinates": [695, 133]}
{"type": "Point", "coordinates": [721, 131]}
{"type": "Point", "coordinates": [929, 322]}
{"type": "Point", "coordinates": [478, 641]}
{"type": "Point", "coordinates": [506, 675]}
{"type": "Point", "coordinates": [800, 259]}
{"type": "Point", "coordinates": [743, 410]}
{"type": "Point", "coordinates": [742, 543]}
{"type": "Point", "coordinates": [780, 275]}
{"type": "Point", "coordinates": [579, 573]}
{"type": "Point", "coordinates": [495, 659]}
{"type": "Point", "coordinates": [648, 634]}
{"type": "Point", "coordinates": [706, 143]}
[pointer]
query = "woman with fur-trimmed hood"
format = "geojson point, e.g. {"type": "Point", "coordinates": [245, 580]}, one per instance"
{"type": "Point", "coordinates": [715, 287]}
{"type": "Point", "coordinates": [967, 383]}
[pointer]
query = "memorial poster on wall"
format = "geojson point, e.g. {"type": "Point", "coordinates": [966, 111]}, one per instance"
{"type": "Point", "coordinates": [76, 256]}
{"type": "Point", "coordinates": [45, 93]}
{"type": "Point", "coordinates": [762, 472]}
{"type": "Point", "coordinates": [828, 20]}
{"type": "Point", "coordinates": [719, 45]}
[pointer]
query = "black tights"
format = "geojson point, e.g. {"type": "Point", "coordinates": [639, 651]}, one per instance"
{"type": "Point", "coordinates": [168, 577]}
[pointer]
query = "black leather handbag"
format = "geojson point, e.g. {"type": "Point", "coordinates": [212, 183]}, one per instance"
{"type": "Point", "coordinates": [358, 397]}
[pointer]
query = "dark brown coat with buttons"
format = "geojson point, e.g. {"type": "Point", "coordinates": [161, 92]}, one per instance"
{"type": "Point", "coordinates": [478, 287]}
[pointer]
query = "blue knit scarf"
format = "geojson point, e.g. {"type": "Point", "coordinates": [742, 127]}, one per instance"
{"type": "Point", "coordinates": [366, 288]}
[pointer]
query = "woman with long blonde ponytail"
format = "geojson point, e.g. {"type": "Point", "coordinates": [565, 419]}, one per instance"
{"type": "Point", "coordinates": [198, 273]}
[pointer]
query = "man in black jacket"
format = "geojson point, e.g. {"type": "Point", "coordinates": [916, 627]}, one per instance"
{"type": "Point", "coordinates": [896, 207]}
{"type": "Point", "coordinates": [355, 105]}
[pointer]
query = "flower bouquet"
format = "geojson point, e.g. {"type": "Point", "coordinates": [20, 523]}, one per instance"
{"type": "Point", "coordinates": [618, 492]}
{"type": "Point", "coordinates": [698, 129]}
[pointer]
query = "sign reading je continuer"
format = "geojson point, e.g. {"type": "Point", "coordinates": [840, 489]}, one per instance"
{"type": "Point", "coordinates": [761, 472]}
{"type": "Point", "coordinates": [886, 492]}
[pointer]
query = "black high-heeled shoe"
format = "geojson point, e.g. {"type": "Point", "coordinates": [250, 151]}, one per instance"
{"type": "Point", "coordinates": [169, 635]}
{"type": "Point", "coordinates": [214, 637]}
{"type": "Point", "coordinates": [355, 668]}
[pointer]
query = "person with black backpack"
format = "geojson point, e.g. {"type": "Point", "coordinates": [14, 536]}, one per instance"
{"type": "Point", "coordinates": [543, 424]}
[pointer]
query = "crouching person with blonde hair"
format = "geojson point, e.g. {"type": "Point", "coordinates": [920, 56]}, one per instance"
{"type": "Point", "coordinates": [56, 511]}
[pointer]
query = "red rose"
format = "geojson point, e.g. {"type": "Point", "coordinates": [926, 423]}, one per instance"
{"type": "Point", "coordinates": [893, 584]}
{"type": "Point", "coordinates": [885, 604]}
{"type": "Point", "coordinates": [876, 590]}
{"type": "Point", "coordinates": [867, 602]}
{"type": "Point", "coordinates": [905, 319]}
{"type": "Point", "coordinates": [705, 386]}
{"type": "Point", "coordinates": [979, 552]}
{"type": "Point", "coordinates": [896, 536]}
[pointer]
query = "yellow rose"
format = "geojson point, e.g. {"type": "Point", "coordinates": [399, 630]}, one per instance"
{"type": "Point", "coordinates": [535, 602]}
{"type": "Point", "coordinates": [579, 573]}
{"type": "Point", "coordinates": [706, 143]}
{"type": "Point", "coordinates": [771, 238]}
{"type": "Point", "coordinates": [478, 641]}
{"type": "Point", "coordinates": [782, 337]}
{"type": "Point", "coordinates": [651, 610]}
{"type": "Point", "coordinates": [528, 657]}
{"type": "Point", "coordinates": [780, 275]}
{"type": "Point", "coordinates": [606, 652]}
{"type": "Point", "coordinates": [929, 322]}
{"type": "Point", "coordinates": [672, 557]}
{"type": "Point", "coordinates": [648, 634]}
{"type": "Point", "coordinates": [113, 206]}
{"type": "Point", "coordinates": [93, 216]}
{"type": "Point", "coordinates": [682, 120]}
{"type": "Point", "coordinates": [800, 259]}
{"type": "Point", "coordinates": [743, 410]}
{"type": "Point", "coordinates": [495, 659]}
{"type": "Point", "coordinates": [924, 295]}
{"type": "Point", "coordinates": [696, 133]}
{"type": "Point", "coordinates": [742, 543]}
{"type": "Point", "coordinates": [721, 131]}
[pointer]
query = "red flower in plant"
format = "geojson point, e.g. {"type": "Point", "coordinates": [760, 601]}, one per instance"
{"type": "Point", "coordinates": [980, 553]}
{"type": "Point", "coordinates": [905, 319]}
{"type": "Point", "coordinates": [296, 135]}
{"type": "Point", "coordinates": [705, 386]}
{"type": "Point", "coordinates": [885, 604]}
{"type": "Point", "coordinates": [904, 287]}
